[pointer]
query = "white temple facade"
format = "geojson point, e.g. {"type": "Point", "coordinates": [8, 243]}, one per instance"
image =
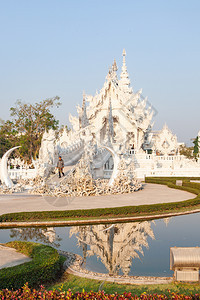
{"type": "Point", "coordinates": [122, 119]}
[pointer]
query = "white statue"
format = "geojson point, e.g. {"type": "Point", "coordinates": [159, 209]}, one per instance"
{"type": "Point", "coordinates": [47, 151]}
{"type": "Point", "coordinates": [5, 178]}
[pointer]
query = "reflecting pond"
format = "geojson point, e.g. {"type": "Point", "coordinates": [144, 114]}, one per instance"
{"type": "Point", "coordinates": [137, 248]}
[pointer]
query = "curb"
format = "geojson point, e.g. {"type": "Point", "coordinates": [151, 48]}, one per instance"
{"type": "Point", "coordinates": [94, 221]}
{"type": "Point", "coordinates": [73, 265]}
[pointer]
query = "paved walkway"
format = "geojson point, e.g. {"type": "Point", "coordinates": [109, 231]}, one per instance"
{"type": "Point", "coordinates": [9, 257]}
{"type": "Point", "coordinates": [151, 194]}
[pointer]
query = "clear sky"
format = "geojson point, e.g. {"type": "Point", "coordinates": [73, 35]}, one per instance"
{"type": "Point", "coordinates": [62, 47]}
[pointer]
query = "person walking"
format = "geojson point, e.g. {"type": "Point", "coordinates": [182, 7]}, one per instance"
{"type": "Point", "coordinates": [60, 166]}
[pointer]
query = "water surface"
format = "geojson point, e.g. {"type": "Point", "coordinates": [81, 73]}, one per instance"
{"type": "Point", "coordinates": [137, 248]}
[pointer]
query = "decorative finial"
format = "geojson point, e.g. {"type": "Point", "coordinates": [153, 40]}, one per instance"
{"type": "Point", "coordinates": [114, 66]}
{"type": "Point", "coordinates": [124, 59]}
{"type": "Point", "coordinates": [125, 82]}
{"type": "Point", "coordinates": [165, 126]}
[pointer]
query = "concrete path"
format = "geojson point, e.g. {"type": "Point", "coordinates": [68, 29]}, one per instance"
{"type": "Point", "coordinates": [9, 257]}
{"type": "Point", "coordinates": [151, 194]}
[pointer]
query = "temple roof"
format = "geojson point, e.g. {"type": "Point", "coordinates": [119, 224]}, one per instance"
{"type": "Point", "coordinates": [114, 104]}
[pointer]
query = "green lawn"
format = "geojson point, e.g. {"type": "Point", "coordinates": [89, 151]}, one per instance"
{"type": "Point", "coordinates": [76, 283]}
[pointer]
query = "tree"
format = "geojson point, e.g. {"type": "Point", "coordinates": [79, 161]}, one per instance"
{"type": "Point", "coordinates": [196, 148]}
{"type": "Point", "coordinates": [28, 122]}
{"type": "Point", "coordinates": [187, 151]}
{"type": "Point", "coordinates": [7, 136]}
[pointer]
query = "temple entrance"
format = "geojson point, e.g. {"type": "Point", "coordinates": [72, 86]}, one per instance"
{"type": "Point", "coordinates": [108, 167]}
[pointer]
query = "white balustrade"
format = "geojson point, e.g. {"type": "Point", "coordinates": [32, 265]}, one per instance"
{"type": "Point", "coordinates": [22, 173]}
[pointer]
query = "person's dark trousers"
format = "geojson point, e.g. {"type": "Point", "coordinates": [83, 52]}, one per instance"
{"type": "Point", "coordinates": [59, 172]}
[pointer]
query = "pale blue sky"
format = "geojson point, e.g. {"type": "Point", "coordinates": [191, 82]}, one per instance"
{"type": "Point", "coordinates": [61, 47]}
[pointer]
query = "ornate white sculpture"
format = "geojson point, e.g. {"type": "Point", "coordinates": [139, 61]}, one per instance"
{"type": "Point", "coordinates": [5, 178]}
{"type": "Point", "coordinates": [116, 164]}
{"type": "Point", "coordinates": [48, 149]}
{"type": "Point", "coordinates": [165, 142]}
{"type": "Point", "coordinates": [47, 154]}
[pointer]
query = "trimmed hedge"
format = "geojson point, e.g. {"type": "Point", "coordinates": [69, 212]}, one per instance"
{"type": "Point", "coordinates": [45, 266]}
{"type": "Point", "coordinates": [171, 179]}
{"type": "Point", "coordinates": [116, 211]}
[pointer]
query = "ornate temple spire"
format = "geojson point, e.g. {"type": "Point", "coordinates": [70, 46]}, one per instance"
{"type": "Point", "coordinates": [114, 66]}
{"type": "Point", "coordinates": [83, 118]}
{"type": "Point", "coordinates": [125, 81]}
{"type": "Point", "coordinates": [114, 71]}
{"type": "Point", "coordinates": [109, 76]}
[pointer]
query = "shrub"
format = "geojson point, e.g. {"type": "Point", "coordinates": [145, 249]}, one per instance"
{"type": "Point", "coordinates": [45, 266]}
{"type": "Point", "coordinates": [27, 293]}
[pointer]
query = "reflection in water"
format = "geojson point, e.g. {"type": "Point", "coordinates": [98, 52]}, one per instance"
{"type": "Point", "coordinates": [166, 220]}
{"type": "Point", "coordinates": [115, 245]}
{"type": "Point", "coordinates": [44, 235]}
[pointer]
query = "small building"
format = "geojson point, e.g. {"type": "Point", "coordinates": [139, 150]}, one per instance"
{"type": "Point", "coordinates": [185, 262]}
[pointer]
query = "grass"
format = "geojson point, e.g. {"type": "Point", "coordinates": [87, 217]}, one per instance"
{"type": "Point", "coordinates": [117, 212]}
{"type": "Point", "coordinates": [76, 284]}
{"type": "Point", "coordinates": [45, 266]}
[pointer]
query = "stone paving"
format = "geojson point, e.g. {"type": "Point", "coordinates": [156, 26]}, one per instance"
{"type": "Point", "coordinates": [9, 257]}
{"type": "Point", "coordinates": [151, 194]}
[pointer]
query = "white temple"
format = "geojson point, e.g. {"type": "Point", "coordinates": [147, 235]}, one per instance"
{"type": "Point", "coordinates": [121, 119]}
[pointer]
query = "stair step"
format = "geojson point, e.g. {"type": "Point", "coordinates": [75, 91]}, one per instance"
{"type": "Point", "coordinates": [54, 178]}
